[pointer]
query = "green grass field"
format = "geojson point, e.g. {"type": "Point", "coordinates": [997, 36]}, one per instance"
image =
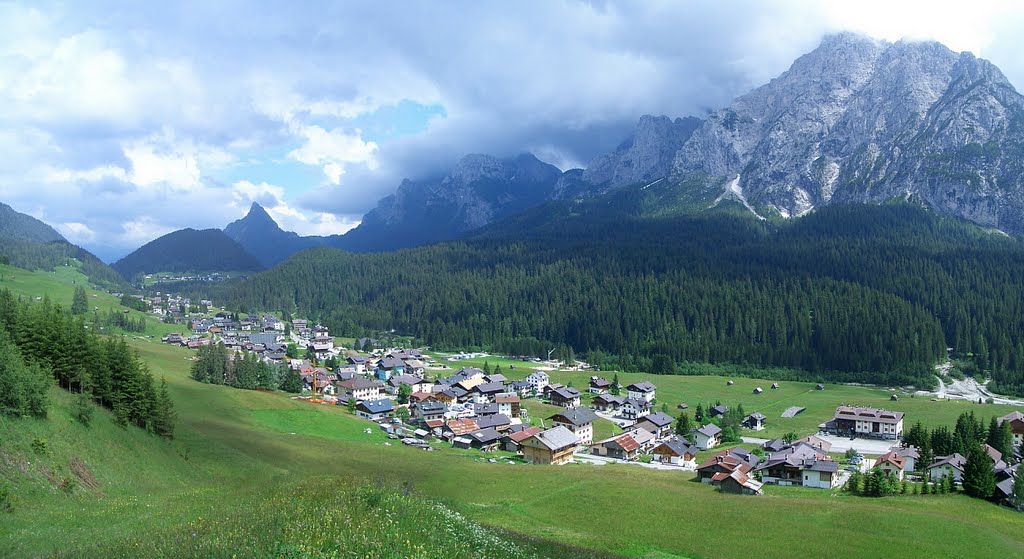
{"type": "Point", "coordinates": [240, 456]}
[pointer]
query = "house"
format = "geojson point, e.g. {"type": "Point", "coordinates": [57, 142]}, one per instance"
{"type": "Point", "coordinates": [429, 411]}
{"type": "Point", "coordinates": [755, 421]}
{"type": "Point", "coordinates": [485, 439]}
{"type": "Point", "coordinates": [415, 367]}
{"type": "Point", "coordinates": [892, 464]}
{"type": "Point", "coordinates": [910, 456]}
{"type": "Point", "coordinates": [566, 397]}
{"type": "Point", "coordinates": [774, 445]}
{"type": "Point", "coordinates": [708, 436]}
{"type": "Point", "coordinates": [599, 385]}
{"type": "Point", "coordinates": [578, 420]}
{"type": "Point", "coordinates": [789, 466]}
{"type": "Point", "coordinates": [1016, 420]}
{"type": "Point", "coordinates": [362, 388]}
{"type": "Point", "coordinates": [497, 422]}
{"type": "Point", "coordinates": [460, 427]}
{"type": "Point", "coordinates": [512, 440]}
{"type": "Point", "coordinates": [487, 391]}
{"type": "Point", "coordinates": [622, 447]}
{"type": "Point", "coordinates": [758, 390]}
{"type": "Point", "coordinates": [1004, 484]}
{"type": "Point", "coordinates": [374, 410]}
{"type": "Point", "coordinates": [538, 381]}
{"type": "Point", "coordinates": [416, 383]}
{"type": "Point", "coordinates": [554, 446]}
{"type": "Point", "coordinates": [644, 438]}
{"type": "Point", "coordinates": [676, 451]}
{"type": "Point", "coordinates": [659, 423]}
{"type": "Point", "coordinates": [389, 366]}
{"type": "Point", "coordinates": [816, 442]}
{"type": "Point", "coordinates": [360, 363]}
{"type": "Point", "coordinates": [952, 465]}
{"type": "Point", "coordinates": [485, 408]}
{"type": "Point", "coordinates": [522, 387]}
{"type": "Point", "coordinates": [641, 391]}
{"type": "Point", "coordinates": [634, 409]}
{"type": "Point", "coordinates": [508, 404]}
{"type": "Point", "coordinates": [819, 387]}
{"type": "Point", "coordinates": [823, 474]}
{"type": "Point", "coordinates": [606, 402]}
{"type": "Point", "coordinates": [717, 410]}
{"type": "Point", "coordinates": [737, 482]}
{"type": "Point", "coordinates": [723, 461]}
{"type": "Point", "coordinates": [850, 421]}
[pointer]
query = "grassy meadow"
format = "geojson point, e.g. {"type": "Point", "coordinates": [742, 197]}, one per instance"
{"type": "Point", "coordinates": [259, 474]}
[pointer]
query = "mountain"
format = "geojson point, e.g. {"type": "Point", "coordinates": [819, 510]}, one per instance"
{"type": "Point", "coordinates": [261, 236]}
{"type": "Point", "coordinates": [28, 243]}
{"type": "Point", "coordinates": [188, 250]}
{"type": "Point", "coordinates": [645, 156]}
{"type": "Point", "coordinates": [479, 190]}
{"type": "Point", "coordinates": [860, 120]}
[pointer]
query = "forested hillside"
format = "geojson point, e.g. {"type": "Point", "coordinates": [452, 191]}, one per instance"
{"type": "Point", "coordinates": [188, 250]}
{"type": "Point", "coordinates": [852, 293]}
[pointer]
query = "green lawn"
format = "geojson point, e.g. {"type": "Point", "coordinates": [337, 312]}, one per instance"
{"type": "Point", "coordinates": [244, 454]}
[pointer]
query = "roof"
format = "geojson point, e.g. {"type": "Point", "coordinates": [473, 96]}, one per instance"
{"type": "Point", "coordinates": [432, 407]}
{"type": "Point", "coordinates": [851, 413]}
{"type": "Point", "coordinates": [610, 399]}
{"type": "Point", "coordinates": [557, 438]}
{"type": "Point", "coordinates": [1012, 416]}
{"type": "Point", "coordinates": [566, 393]}
{"type": "Point", "coordinates": [485, 408]}
{"type": "Point", "coordinates": [490, 387]}
{"type": "Point", "coordinates": [390, 363]}
{"type": "Point", "coordinates": [816, 442]}
{"type": "Point", "coordinates": [720, 409]}
{"type": "Point", "coordinates": [600, 382]}
{"type": "Point", "coordinates": [827, 466]}
{"type": "Point", "coordinates": [627, 442]}
{"type": "Point", "coordinates": [638, 404]}
{"type": "Point", "coordinates": [486, 436]}
{"type": "Point", "coordinates": [506, 398]}
{"type": "Point", "coordinates": [758, 416]}
{"type": "Point", "coordinates": [361, 383]}
{"type": "Point", "coordinates": [955, 460]}
{"type": "Point", "coordinates": [679, 446]}
{"type": "Point", "coordinates": [404, 379]}
{"type": "Point", "coordinates": [642, 386]}
{"type": "Point", "coordinates": [908, 452]}
{"type": "Point", "coordinates": [376, 406]}
{"type": "Point", "coordinates": [491, 421]}
{"type": "Point", "coordinates": [520, 436]}
{"type": "Point", "coordinates": [576, 417]}
{"type": "Point", "coordinates": [661, 419]}
{"type": "Point", "coordinates": [709, 430]}
{"type": "Point", "coordinates": [994, 454]}
{"type": "Point", "coordinates": [726, 460]}
{"type": "Point", "coordinates": [892, 457]}
{"type": "Point", "coordinates": [463, 426]}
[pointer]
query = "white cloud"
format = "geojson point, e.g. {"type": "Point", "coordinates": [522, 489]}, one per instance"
{"type": "Point", "coordinates": [271, 197]}
{"type": "Point", "coordinates": [172, 168]}
{"type": "Point", "coordinates": [332, 149]}
{"type": "Point", "coordinates": [142, 230]}
{"type": "Point", "coordinates": [77, 232]}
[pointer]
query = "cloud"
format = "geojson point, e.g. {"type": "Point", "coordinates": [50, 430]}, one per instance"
{"type": "Point", "coordinates": [136, 120]}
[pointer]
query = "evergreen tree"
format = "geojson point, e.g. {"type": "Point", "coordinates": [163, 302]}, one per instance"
{"type": "Point", "coordinates": [164, 414]}
{"type": "Point", "coordinates": [698, 414]}
{"type": "Point", "coordinates": [615, 389]}
{"type": "Point", "coordinates": [291, 381]}
{"type": "Point", "coordinates": [979, 476]}
{"type": "Point", "coordinates": [487, 368]}
{"type": "Point", "coordinates": [404, 391]}
{"type": "Point", "coordinates": [683, 425]}
{"type": "Point", "coordinates": [1000, 437]}
{"type": "Point", "coordinates": [80, 302]}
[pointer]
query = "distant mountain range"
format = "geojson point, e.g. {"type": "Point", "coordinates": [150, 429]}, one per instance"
{"type": "Point", "coordinates": [29, 243]}
{"type": "Point", "coordinates": [188, 250]}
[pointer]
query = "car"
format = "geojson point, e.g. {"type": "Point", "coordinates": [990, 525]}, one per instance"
{"type": "Point", "coordinates": [852, 469]}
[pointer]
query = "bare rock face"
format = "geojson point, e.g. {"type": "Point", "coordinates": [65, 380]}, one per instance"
{"type": "Point", "coordinates": [645, 156]}
{"type": "Point", "coordinates": [859, 120]}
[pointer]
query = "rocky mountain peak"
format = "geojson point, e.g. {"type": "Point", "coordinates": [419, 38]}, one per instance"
{"type": "Point", "coordinates": [646, 155]}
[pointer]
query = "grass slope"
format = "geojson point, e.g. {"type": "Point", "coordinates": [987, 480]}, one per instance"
{"type": "Point", "coordinates": [259, 468]}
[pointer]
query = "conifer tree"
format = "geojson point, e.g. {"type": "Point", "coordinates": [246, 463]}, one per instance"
{"type": "Point", "coordinates": [979, 476]}
{"type": "Point", "coordinates": [80, 302]}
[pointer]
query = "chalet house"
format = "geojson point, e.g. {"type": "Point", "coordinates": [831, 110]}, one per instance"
{"type": "Point", "coordinates": [755, 421]}
{"type": "Point", "coordinates": [416, 383]}
{"type": "Point", "coordinates": [362, 388]}
{"type": "Point", "coordinates": [496, 377]}
{"type": "Point", "coordinates": [522, 387]}
{"type": "Point", "coordinates": [360, 363]}
{"type": "Point", "coordinates": [1004, 484]}
{"type": "Point", "coordinates": [460, 427]}
{"type": "Point", "coordinates": [641, 391]}
{"type": "Point", "coordinates": [952, 465]}
{"type": "Point", "coordinates": [676, 451]}
{"type": "Point", "coordinates": [429, 411]}
{"type": "Point", "coordinates": [724, 461]}
{"type": "Point", "coordinates": [578, 420]}
{"type": "Point", "coordinates": [599, 385]}
{"type": "Point", "coordinates": [389, 366]}
{"type": "Point", "coordinates": [718, 410]}
{"type": "Point", "coordinates": [622, 447]}
{"type": "Point", "coordinates": [1016, 420]}
{"type": "Point", "coordinates": [538, 381]}
{"type": "Point", "coordinates": [512, 439]}
{"type": "Point", "coordinates": [508, 404]}
{"type": "Point", "coordinates": [789, 466]}
{"type": "Point", "coordinates": [498, 422]}
{"type": "Point", "coordinates": [374, 410]}
{"type": "Point", "coordinates": [634, 409]}
{"type": "Point", "coordinates": [469, 384]}
{"type": "Point", "coordinates": [816, 442]}
{"type": "Point", "coordinates": [566, 397]}
{"type": "Point", "coordinates": [910, 456]}
{"type": "Point", "coordinates": [850, 421]}
{"type": "Point", "coordinates": [446, 396]}
{"type": "Point", "coordinates": [644, 438]}
{"type": "Point", "coordinates": [606, 402]}
{"type": "Point", "coordinates": [485, 408]}
{"type": "Point", "coordinates": [554, 446]}
{"type": "Point", "coordinates": [708, 436]}
{"type": "Point", "coordinates": [659, 423]}
{"type": "Point", "coordinates": [488, 391]}
{"type": "Point", "coordinates": [892, 464]}
{"type": "Point", "coordinates": [415, 367]}
{"type": "Point", "coordinates": [737, 482]}
{"type": "Point", "coordinates": [485, 439]}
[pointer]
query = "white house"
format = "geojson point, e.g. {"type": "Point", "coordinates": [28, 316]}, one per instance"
{"type": "Point", "coordinates": [374, 409]}
{"type": "Point", "coordinates": [641, 391]}
{"type": "Point", "coordinates": [952, 465]}
{"type": "Point", "coordinates": [578, 420]}
{"type": "Point", "coordinates": [538, 381]}
{"type": "Point", "coordinates": [634, 408]}
{"type": "Point", "coordinates": [823, 474]}
{"type": "Point", "coordinates": [708, 436]}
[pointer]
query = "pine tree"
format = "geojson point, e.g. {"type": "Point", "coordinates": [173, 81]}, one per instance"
{"type": "Point", "coordinates": [615, 390]}
{"type": "Point", "coordinates": [291, 381]}
{"type": "Point", "coordinates": [979, 476]}
{"type": "Point", "coordinates": [404, 391]}
{"type": "Point", "coordinates": [80, 302]}
{"type": "Point", "coordinates": [163, 412]}
{"type": "Point", "coordinates": [698, 414]}
{"type": "Point", "coordinates": [1000, 437]}
{"type": "Point", "coordinates": [684, 425]}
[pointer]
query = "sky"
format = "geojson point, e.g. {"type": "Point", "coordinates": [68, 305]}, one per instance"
{"type": "Point", "coordinates": [123, 121]}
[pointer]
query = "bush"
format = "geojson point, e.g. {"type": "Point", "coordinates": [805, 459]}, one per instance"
{"type": "Point", "coordinates": [39, 446]}
{"type": "Point", "coordinates": [6, 498]}
{"type": "Point", "coordinates": [83, 410]}
{"type": "Point", "coordinates": [850, 454]}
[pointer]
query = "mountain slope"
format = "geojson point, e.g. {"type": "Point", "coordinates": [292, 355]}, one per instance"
{"type": "Point", "coordinates": [28, 243]}
{"type": "Point", "coordinates": [188, 250]}
{"type": "Point", "coordinates": [859, 120]}
{"type": "Point", "coordinates": [260, 235]}
{"type": "Point", "coordinates": [479, 190]}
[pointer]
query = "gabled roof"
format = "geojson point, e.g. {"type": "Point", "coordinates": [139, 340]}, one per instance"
{"type": "Point", "coordinates": [520, 436]}
{"type": "Point", "coordinates": [892, 457]}
{"type": "Point", "coordinates": [491, 421]}
{"type": "Point", "coordinates": [640, 404]}
{"type": "Point", "coordinates": [826, 466]}
{"type": "Point", "coordinates": [376, 406]}
{"type": "Point", "coordinates": [661, 419]}
{"type": "Point", "coordinates": [679, 446]}
{"type": "Point", "coordinates": [463, 426]}
{"type": "Point", "coordinates": [485, 408]}
{"type": "Point", "coordinates": [627, 442]}
{"type": "Point", "coordinates": [600, 382]}
{"type": "Point", "coordinates": [725, 460]}
{"type": "Point", "coordinates": [486, 436]}
{"type": "Point", "coordinates": [506, 398]}
{"type": "Point", "coordinates": [390, 363]}
{"type": "Point", "coordinates": [490, 388]}
{"type": "Point", "coordinates": [566, 393]}
{"type": "Point", "coordinates": [852, 413]}
{"type": "Point", "coordinates": [642, 386]}
{"type": "Point", "coordinates": [994, 454]}
{"type": "Point", "coordinates": [360, 383]}
{"type": "Point", "coordinates": [709, 430]}
{"type": "Point", "coordinates": [908, 452]}
{"type": "Point", "coordinates": [816, 442]}
{"type": "Point", "coordinates": [610, 399]}
{"type": "Point", "coordinates": [404, 379]}
{"type": "Point", "coordinates": [720, 409]}
{"type": "Point", "coordinates": [576, 417]}
{"type": "Point", "coordinates": [955, 460]}
{"type": "Point", "coordinates": [557, 438]}
{"type": "Point", "coordinates": [432, 407]}
{"type": "Point", "coordinates": [757, 416]}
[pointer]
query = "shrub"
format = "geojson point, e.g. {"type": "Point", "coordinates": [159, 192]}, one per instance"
{"type": "Point", "coordinates": [83, 410]}
{"type": "Point", "coordinates": [39, 446]}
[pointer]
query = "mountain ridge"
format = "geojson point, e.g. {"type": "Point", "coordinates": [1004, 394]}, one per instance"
{"type": "Point", "coordinates": [188, 250]}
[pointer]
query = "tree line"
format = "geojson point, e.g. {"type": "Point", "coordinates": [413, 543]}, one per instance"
{"type": "Point", "coordinates": [53, 344]}
{"type": "Point", "coordinates": [216, 364]}
{"type": "Point", "coordinates": [854, 293]}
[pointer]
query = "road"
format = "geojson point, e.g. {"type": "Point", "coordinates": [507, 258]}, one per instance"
{"type": "Point", "coordinates": [602, 460]}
